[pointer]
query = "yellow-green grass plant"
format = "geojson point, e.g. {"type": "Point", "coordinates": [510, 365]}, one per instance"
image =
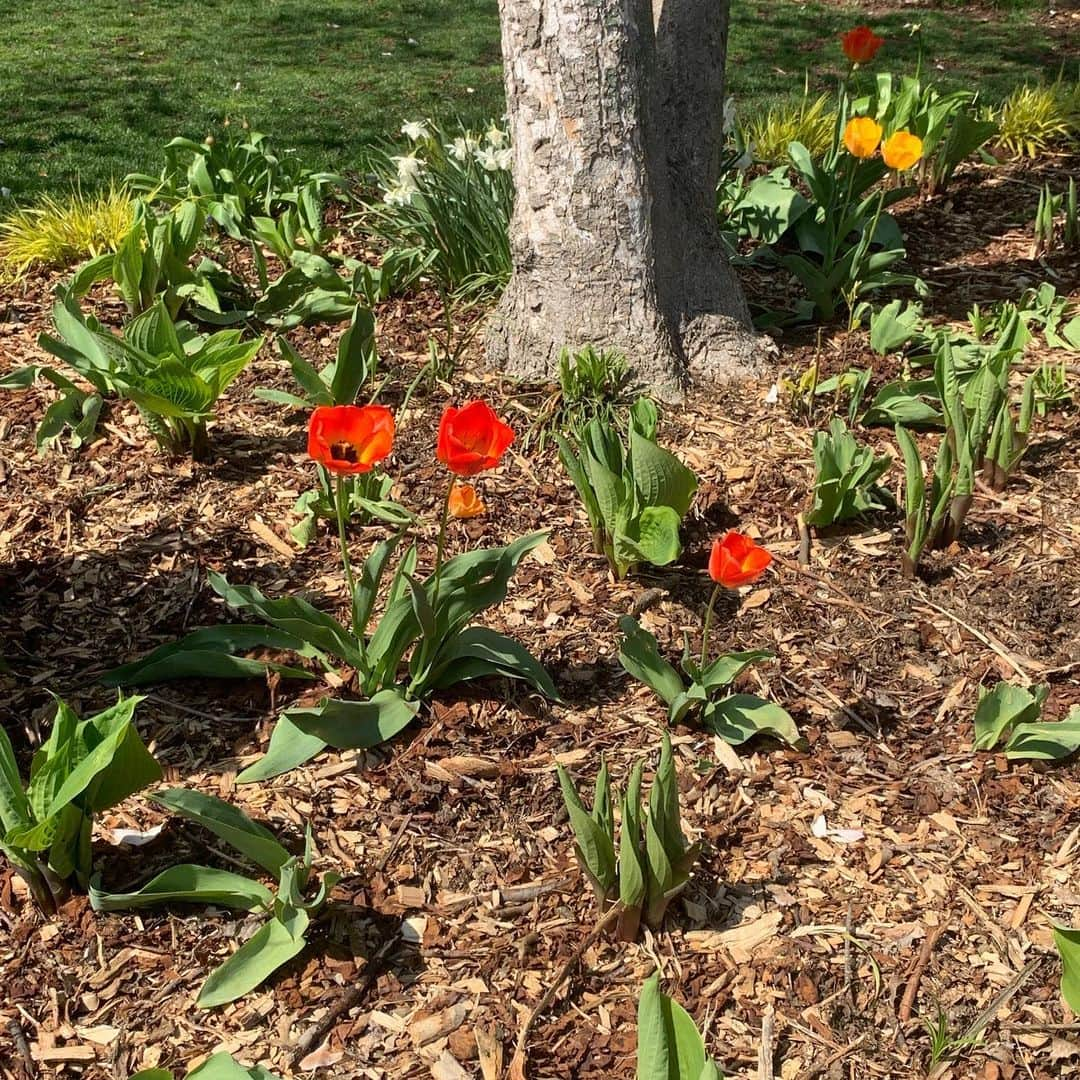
{"type": "Point", "coordinates": [60, 232]}
{"type": "Point", "coordinates": [1034, 119]}
{"type": "Point", "coordinates": [805, 121]}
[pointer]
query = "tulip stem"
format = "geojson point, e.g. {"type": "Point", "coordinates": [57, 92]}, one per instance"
{"type": "Point", "coordinates": [440, 550]}
{"type": "Point", "coordinates": [708, 624]}
{"type": "Point", "coordinates": [339, 507]}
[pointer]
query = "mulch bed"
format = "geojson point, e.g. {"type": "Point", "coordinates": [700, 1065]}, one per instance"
{"type": "Point", "coordinates": [845, 895]}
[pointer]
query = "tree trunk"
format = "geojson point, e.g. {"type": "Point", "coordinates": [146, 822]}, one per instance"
{"type": "Point", "coordinates": [615, 110]}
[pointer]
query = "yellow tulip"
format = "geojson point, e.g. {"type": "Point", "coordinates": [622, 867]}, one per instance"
{"type": "Point", "coordinates": [901, 150]}
{"type": "Point", "coordinates": [861, 136]}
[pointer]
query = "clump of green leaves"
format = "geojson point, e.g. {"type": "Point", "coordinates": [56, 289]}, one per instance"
{"type": "Point", "coordinates": [845, 477]}
{"type": "Point", "coordinates": [288, 912]}
{"type": "Point", "coordinates": [697, 699]}
{"type": "Point", "coordinates": [84, 767]}
{"type": "Point", "coordinates": [1011, 715]}
{"type": "Point", "coordinates": [651, 863]}
{"type": "Point", "coordinates": [1033, 119]}
{"type": "Point", "coordinates": [981, 433]}
{"type": "Point", "coordinates": [429, 621]}
{"type": "Point", "coordinates": [1045, 215]}
{"type": "Point", "coordinates": [669, 1043]}
{"type": "Point", "coordinates": [448, 198]}
{"type": "Point", "coordinates": [172, 374]}
{"type": "Point", "coordinates": [591, 381]}
{"type": "Point", "coordinates": [219, 1066]}
{"type": "Point", "coordinates": [635, 493]}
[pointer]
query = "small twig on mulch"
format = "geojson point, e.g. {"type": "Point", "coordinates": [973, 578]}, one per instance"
{"type": "Point", "coordinates": [517, 1064]}
{"type": "Point", "coordinates": [18, 1036]}
{"type": "Point", "coordinates": [907, 1003]}
{"type": "Point", "coordinates": [765, 1052]}
{"type": "Point", "coordinates": [349, 1000]}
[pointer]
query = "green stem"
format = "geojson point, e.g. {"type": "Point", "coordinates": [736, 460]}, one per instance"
{"type": "Point", "coordinates": [708, 624]}
{"type": "Point", "coordinates": [339, 509]}
{"type": "Point", "coordinates": [440, 550]}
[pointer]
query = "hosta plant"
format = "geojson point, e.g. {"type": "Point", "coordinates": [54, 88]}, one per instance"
{"type": "Point", "coordinates": [173, 375]}
{"type": "Point", "coordinates": [845, 477]}
{"type": "Point", "coordinates": [670, 1047]}
{"type": "Point", "coordinates": [82, 768]}
{"type": "Point", "coordinates": [424, 640]}
{"type": "Point", "coordinates": [635, 493]}
{"type": "Point", "coordinates": [1067, 941]}
{"type": "Point", "coordinates": [697, 695]}
{"type": "Point", "coordinates": [219, 1066]}
{"type": "Point", "coordinates": [339, 383]}
{"type": "Point", "coordinates": [1012, 715]}
{"type": "Point", "coordinates": [650, 864]}
{"type": "Point", "coordinates": [288, 910]}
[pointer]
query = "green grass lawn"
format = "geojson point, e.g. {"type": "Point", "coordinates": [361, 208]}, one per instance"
{"type": "Point", "coordinates": [93, 90]}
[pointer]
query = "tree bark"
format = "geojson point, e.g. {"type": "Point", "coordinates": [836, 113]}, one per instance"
{"type": "Point", "coordinates": [615, 110]}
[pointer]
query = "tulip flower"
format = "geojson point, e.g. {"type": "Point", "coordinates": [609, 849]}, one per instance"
{"type": "Point", "coordinates": [861, 136]}
{"type": "Point", "coordinates": [472, 438]}
{"type": "Point", "coordinates": [861, 44]}
{"type": "Point", "coordinates": [901, 150]}
{"type": "Point", "coordinates": [735, 560]}
{"type": "Point", "coordinates": [464, 502]}
{"type": "Point", "coordinates": [346, 439]}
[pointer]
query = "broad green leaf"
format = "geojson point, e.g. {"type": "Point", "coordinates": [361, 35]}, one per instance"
{"type": "Point", "coordinates": [669, 1044]}
{"type": "Point", "coordinates": [208, 653]}
{"type": "Point", "coordinates": [289, 748]}
{"type": "Point", "coordinates": [350, 725]}
{"type": "Point", "coordinates": [356, 357]}
{"type": "Point", "coordinates": [229, 823]}
{"type": "Point", "coordinates": [274, 944]}
{"type": "Point", "coordinates": [640, 657]}
{"type": "Point", "coordinates": [153, 333]}
{"type": "Point", "coordinates": [478, 651]}
{"type": "Point", "coordinates": [1047, 741]}
{"type": "Point", "coordinates": [188, 884]}
{"type": "Point", "coordinates": [1003, 708]}
{"type": "Point", "coordinates": [221, 1066]}
{"type": "Point", "coordinates": [132, 768]}
{"type": "Point", "coordinates": [660, 477]}
{"type": "Point", "coordinates": [727, 668]}
{"type": "Point", "coordinates": [893, 326]}
{"type": "Point", "coordinates": [294, 616]}
{"type": "Point", "coordinates": [14, 805]}
{"type": "Point", "coordinates": [595, 850]}
{"type": "Point", "coordinates": [742, 716]}
{"type": "Point", "coordinates": [903, 403]}
{"type": "Point", "coordinates": [651, 537]}
{"type": "Point", "coordinates": [1067, 941]}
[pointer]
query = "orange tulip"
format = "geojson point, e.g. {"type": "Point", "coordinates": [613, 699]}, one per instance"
{"type": "Point", "coordinates": [464, 502]}
{"type": "Point", "coordinates": [901, 150]}
{"type": "Point", "coordinates": [861, 136]}
{"type": "Point", "coordinates": [861, 44]}
{"type": "Point", "coordinates": [347, 439]}
{"type": "Point", "coordinates": [472, 438]}
{"type": "Point", "coordinates": [737, 560]}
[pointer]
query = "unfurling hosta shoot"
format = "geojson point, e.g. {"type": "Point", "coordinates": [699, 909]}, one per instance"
{"type": "Point", "coordinates": [670, 1047]}
{"type": "Point", "coordinates": [651, 862]}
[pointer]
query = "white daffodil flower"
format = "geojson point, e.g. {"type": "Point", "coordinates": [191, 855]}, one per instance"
{"type": "Point", "coordinates": [409, 167]}
{"type": "Point", "coordinates": [496, 137]}
{"type": "Point", "coordinates": [504, 158]}
{"type": "Point", "coordinates": [400, 195]}
{"type": "Point", "coordinates": [462, 147]}
{"type": "Point", "coordinates": [729, 115]}
{"type": "Point", "coordinates": [488, 159]}
{"type": "Point", "coordinates": [414, 130]}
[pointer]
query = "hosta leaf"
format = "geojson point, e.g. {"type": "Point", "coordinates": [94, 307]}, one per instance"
{"type": "Point", "coordinates": [742, 716]}
{"type": "Point", "coordinates": [229, 823]}
{"type": "Point", "coordinates": [595, 850]}
{"type": "Point", "coordinates": [1048, 741]}
{"type": "Point", "coordinates": [187, 883]}
{"type": "Point", "coordinates": [652, 537]}
{"type": "Point", "coordinates": [1001, 709]}
{"type": "Point", "coordinates": [153, 333]}
{"type": "Point", "coordinates": [669, 1044]}
{"type": "Point", "coordinates": [727, 668]}
{"type": "Point", "coordinates": [221, 1066]}
{"type": "Point", "coordinates": [274, 944]}
{"type": "Point", "coordinates": [660, 477]}
{"type": "Point", "coordinates": [169, 390]}
{"type": "Point", "coordinates": [14, 805]}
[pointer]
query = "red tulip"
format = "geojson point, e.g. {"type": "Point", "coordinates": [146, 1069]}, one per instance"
{"type": "Point", "coordinates": [861, 44]}
{"type": "Point", "coordinates": [472, 438]}
{"type": "Point", "coordinates": [737, 560]}
{"type": "Point", "coordinates": [350, 438]}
